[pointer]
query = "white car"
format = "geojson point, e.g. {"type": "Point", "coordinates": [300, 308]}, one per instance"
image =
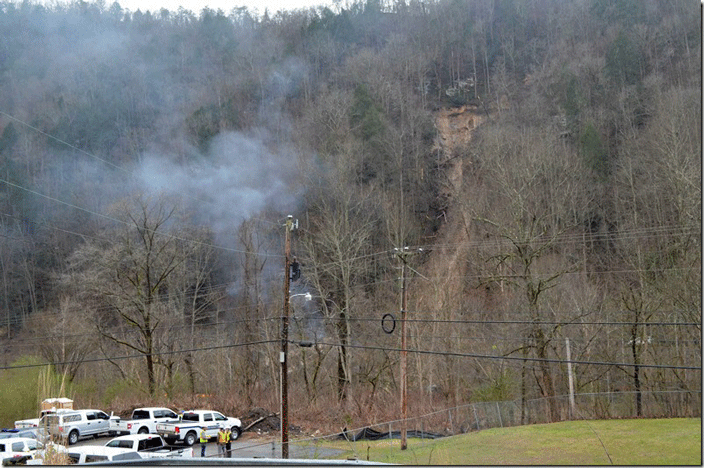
{"type": "Point", "coordinates": [15, 448]}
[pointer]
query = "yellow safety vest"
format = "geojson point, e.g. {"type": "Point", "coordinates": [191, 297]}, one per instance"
{"type": "Point", "coordinates": [222, 437]}
{"type": "Point", "coordinates": [203, 437]}
{"type": "Point", "coordinates": [227, 436]}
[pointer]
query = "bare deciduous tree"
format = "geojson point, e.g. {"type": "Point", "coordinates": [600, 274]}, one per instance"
{"type": "Point", "coordinates": [336, 243]}
{"type": "Point", "coordinates": [133, 282]}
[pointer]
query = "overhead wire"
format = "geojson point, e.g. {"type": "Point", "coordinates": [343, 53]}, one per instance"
{"type": "Point", "coordinates": [315, 317]}
{"type": "Point", "coordinates": [119, 221]}
{"type": "Point", "coordinates": [514, 358]}
{"type": "Point", "coordinates": [138, 356]}
{"type": "Point", "coordinates": [437, 248]}
{"type": "Point", "coordinates": [366, 347]}
{"type": "Point", "coordinates": [101, 215]}
{"type": "Point", "coordinates": [69, 145]}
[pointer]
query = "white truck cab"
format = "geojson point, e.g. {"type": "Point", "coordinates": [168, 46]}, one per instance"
{"type": "Point", "coordinates": [14, 449]}
{"type": "Point", "coordinates": [143, 421]}
{"type": "Point", "coordinates": [150, 446]}
{"type": "Point", "coordinates": [93, 453]}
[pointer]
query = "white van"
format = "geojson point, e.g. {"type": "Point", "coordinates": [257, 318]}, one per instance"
{"type": "Point", "coordinates": [75, 425]}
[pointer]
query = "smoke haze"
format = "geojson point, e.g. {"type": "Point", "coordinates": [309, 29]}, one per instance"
{"type": "Point", "coordinates": [237, 178]}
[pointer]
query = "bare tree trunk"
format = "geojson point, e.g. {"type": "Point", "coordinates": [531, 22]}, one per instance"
{"type": "Point", "coordinates": [636, 369]}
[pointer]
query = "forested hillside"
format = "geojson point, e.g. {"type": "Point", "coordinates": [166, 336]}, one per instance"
{"type": "Point", "coordinates": [532, 168]}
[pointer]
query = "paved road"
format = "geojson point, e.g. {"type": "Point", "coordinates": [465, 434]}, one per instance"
{"type": "Point", "coordinates": [248, 446]}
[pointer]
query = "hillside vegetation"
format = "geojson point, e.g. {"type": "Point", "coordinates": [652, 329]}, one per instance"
{"type": "Point", "coordinates": [532, 168]}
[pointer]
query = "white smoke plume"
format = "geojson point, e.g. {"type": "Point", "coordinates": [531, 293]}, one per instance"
{"type": "Point", "coordinates": [237, 178]}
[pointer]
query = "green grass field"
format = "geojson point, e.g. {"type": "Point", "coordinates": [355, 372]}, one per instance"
{"type": "Point", "coordinates": [618, 442]}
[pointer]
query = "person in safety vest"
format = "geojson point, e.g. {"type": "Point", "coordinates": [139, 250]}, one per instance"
{"type": "Point", "coordinates": [222, 441]}
{"type": "Point", "coordinates": [228, 440]}
{"type": "Point", "coordinates": [203, 441]}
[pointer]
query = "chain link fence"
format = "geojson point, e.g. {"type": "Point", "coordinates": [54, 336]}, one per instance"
{"type": "Point", "coordinates": [487, 415]}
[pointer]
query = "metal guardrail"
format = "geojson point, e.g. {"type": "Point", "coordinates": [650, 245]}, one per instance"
{"type": "Point", "coordinates": [235, 462]}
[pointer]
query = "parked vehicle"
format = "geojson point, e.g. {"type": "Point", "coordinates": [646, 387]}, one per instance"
{"type": "Point", "coordinates": [18, 449]}
{"type": "Point", "coordinates": [33, 422]}
{"type": "Point", "coordinates": [150, 446]}
{"type": "Point", "coordinates": [34, 433]}
{"type": "Point", "coordinates": [143, 421]}
{"type": "Point", "coordinates": [78, 424]}
{"type": "Point", "coordinates": [98, 453]}
{"type": "Point", "coordinates": [49, 406]}
{"type": "Point", "coordinates": [188, 429]}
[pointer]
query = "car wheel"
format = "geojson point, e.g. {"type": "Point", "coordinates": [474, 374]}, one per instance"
{"type": "Point", "coordinates": [73, 437]}
{"type": "Point", "coordinates": [236, 432]}
{"type": "Point", "coordinates": [190, 438]}
{"type": "Point", "coordinates": [143, 430]}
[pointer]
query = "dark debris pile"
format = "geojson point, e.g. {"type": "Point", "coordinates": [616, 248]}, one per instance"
{"type": "Point", "coordinates": [371, 434]}
{"type": "Point", "coordinates": [261, 421]}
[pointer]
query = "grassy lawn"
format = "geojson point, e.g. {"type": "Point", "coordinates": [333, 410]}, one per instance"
{"type": "Point", "coordinates": [621, 442]}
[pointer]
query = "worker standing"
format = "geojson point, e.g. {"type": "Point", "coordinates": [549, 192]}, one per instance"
{"type": "Point", "coordinates": [228, 442]}
{"type": "Point", "coordinates": [203, 440]}
{"type": "Point", "coordinates": [222, 441]}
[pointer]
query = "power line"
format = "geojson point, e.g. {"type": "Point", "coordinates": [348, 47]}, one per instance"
{"type": "Point", "coordinates": [529, 322]}
{"type": "Point", "coordinates": [375, 348]}
{"type": "Point", "coordinates": [655, 231]}
{"type": "Point", "coordinates": [137, 356]}
{"type": "Point", "coordinates": [508, 322]}
{"type": "Point", "coordinates": [436, 249]}
{"type": "Point", "coordinates": [63, 142]}
{"type": "Point", "coordinates": [119, 221]}
{"type": "Point", "coordinates": [512, 358]}
{"type": "Point", "coordinates": [17, 321]}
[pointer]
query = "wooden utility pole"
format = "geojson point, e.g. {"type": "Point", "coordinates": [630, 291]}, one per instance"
{"type": "Point", "coordinates": [404, 361]}
{"type": "Point", "coordinates": [570, 379]}
{"type": "Point", "coordinates": [403, 254]}
{"type": "Point", "coordinates": [283, 357]}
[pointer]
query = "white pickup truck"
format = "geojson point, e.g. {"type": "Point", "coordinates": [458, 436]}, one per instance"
{"type": "Point", "coordinates": [18, 450]}
{"type": "Point", "coordinates": [188, 429]}
{"type": "Point", "coordinates": [77, 424]}
{"type": "Point", "coordinates": [96, 454]}
{"type": "Point", "coordinates": [150, 446]}
{"type": "Point", "coordinates": [143, 421]}
{"type": "Point", "coordinates": [49, 406]}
